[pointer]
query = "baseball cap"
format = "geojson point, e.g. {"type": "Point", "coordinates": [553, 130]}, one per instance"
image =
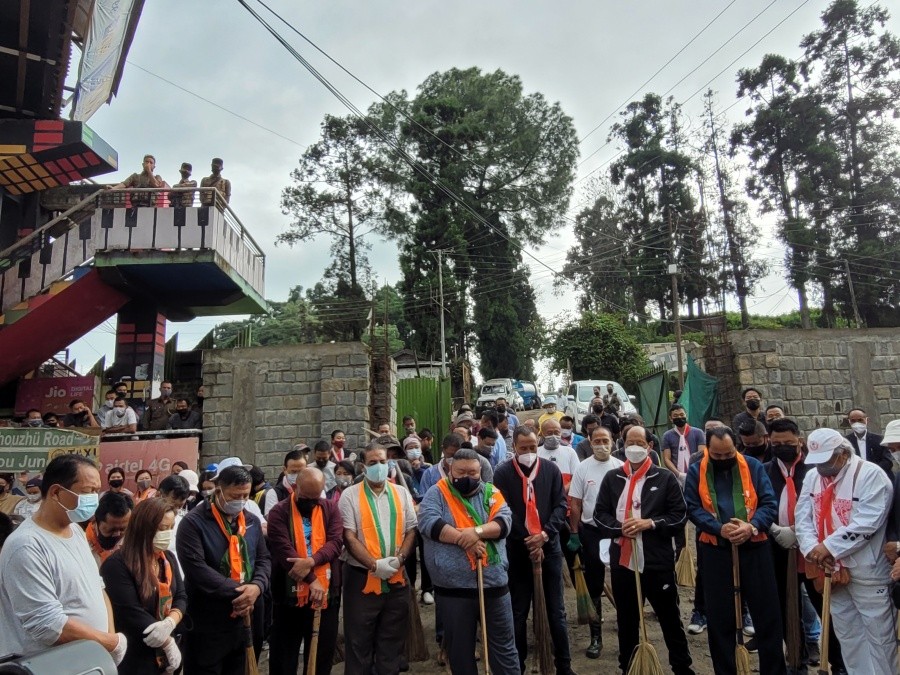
{"type": "Point", "coordinates": [34, 482]}
{"type": "Point", "coordinates": [821, 444]}
{"type": "Point", "coordinates": [229, 462]}
{"type": "Point", "coordinates": [192, 478]}
{"type": "Point", "coordinates": [388, 441]}
{"type": "Point", "coordinates": [185, 166]}
{"type": "Point", "coordinates": [892, 432]}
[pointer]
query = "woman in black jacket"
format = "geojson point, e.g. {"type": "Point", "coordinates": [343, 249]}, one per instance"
{"type": "Point", "coordinates": [146, 591]}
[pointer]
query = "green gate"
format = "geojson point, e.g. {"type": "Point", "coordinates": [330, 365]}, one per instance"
{"type": "Point", "coordinates": [428, 401]}
{"type": "Point", "coordinates": [653, 400]}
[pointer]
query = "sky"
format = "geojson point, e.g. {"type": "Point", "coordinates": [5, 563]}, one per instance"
{"type": "Point", "coordinates": [204, 79]}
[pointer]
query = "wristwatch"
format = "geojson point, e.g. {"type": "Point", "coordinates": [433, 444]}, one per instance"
{"type": "Point", "coordinates": [479, 531]}
{"type": "Point", "coordinates": [753, 529]}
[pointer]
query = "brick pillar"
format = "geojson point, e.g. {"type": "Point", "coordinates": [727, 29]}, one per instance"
{"type": "Point", "coordinates": [140, 349]}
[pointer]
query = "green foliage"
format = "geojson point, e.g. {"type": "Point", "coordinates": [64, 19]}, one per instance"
{"type": "Point", "coordinates": [599, 346]}
{"type": "Point", "coordinates": [291, 322]}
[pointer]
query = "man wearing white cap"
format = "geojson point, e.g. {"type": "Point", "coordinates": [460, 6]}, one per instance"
{"type": "Point", "coordinates": [841, 519]}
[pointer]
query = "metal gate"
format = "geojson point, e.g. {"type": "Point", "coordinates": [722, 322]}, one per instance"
{"type": "Point", "coordinates": [428, 401]}
{"type": "Point", "coordinates": [653, 400]}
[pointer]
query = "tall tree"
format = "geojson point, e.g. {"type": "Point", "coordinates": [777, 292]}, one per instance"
{"type": "Point", "coordinates": [290, 322]}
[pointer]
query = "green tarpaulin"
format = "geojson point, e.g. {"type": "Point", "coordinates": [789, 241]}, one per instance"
{"type": "Point", "coordinates": [700, 397]}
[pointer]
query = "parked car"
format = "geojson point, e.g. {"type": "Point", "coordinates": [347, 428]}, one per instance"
{"type": "Point", "coordinates": [579, 395]}
{"type": "Point", "coordinates": [491, 391]}
{"type": "Point", "coordinates": [531, 398]}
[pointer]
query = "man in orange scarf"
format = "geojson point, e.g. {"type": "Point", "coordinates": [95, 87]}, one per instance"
{"type": "Point", "coordinates": [731, 502]}
{"type": "Point", "coordinates": [379, 532]}
{"type": "Point", "coordinates": [306, 537]}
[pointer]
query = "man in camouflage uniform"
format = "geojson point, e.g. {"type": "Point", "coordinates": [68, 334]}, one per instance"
{"type": "Point", "coordinates": [145, 179]}
{"type": "Point", "coordinates": [216, 180]}
{"type": "Point", "coordinates": [183, 198]}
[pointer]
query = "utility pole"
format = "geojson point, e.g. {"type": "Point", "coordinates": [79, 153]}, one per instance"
{"type": "Point", "coordinates": [673, 270]}
{"type": "Point", "coordinates": [852, 294]}
{"type": "Point", "coordinates": [441, 291]}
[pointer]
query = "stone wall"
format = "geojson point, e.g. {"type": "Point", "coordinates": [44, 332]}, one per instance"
{"type": "Point", "coordinates": [260, 401]}
{"type": "Point", "coordinates": [820, 375]}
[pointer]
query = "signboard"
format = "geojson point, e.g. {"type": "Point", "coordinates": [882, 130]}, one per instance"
{"type": "Point", "coordinates": [53, 394]}
{"type": "Point", "coordinates": [156, 455]}
{"type": "Point", "coordinates": [30, 449]}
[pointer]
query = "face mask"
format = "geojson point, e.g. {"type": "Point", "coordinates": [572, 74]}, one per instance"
{"type": "Point", "coordinates": [859, 428]}
{"type": "Point", "coordinates": [680, 422]}
{"type": "Point", "coordinates": [828, 470]}
{"type": "Point", "coordinates": [636, 454]}
{"type": "Point", "coordinates": [206, 494]}
{"type": "Point", "coordinates": [786, 453]}
{"type": "Point", "coordinates": [377, 473]}
{"type": "Point", "coordinates": [322, 463]}
{"type": "Point", "coordinates": [290, 478]}
{"type": "Point", "coordinates": [466, 485]}
{"type": "Point", "coordinates": [566, 433]}
{"type": "Point", "coordinates": [413, 453]}
{"type": "Point", "coordinates": [109, 404]}
{"type": "Point", "coordinates": [756, 450]}
{"type": "Point", "coordinates": [143, 484]}
{"type": "Point", "coordinates": [120, 412]}
{"type": "Point", "coordinates": [34, 423]}
{"type": "Point", "coordinates": [165, 393]}
{"type": "Point", "coordinates": [601, 452]}
{"type": "Point", "coordinates": [551, 442]}
{"type": "Point", "coordinates": [235, 506]}
{"type": "Point", "coordinates": [338, 443]}
{"type": "Point", "coordinates": [343, 481]}
{"type": "Point", "coordinates": [116, 483]}
{"type": "Point", "coordinates": [305, 506]}
{"type": "Point", "coordinates": [753, 404]}
{"type": "Point", "coordinates": [107, 543]}
{"type": "Point", "coordinates": [184, 413]}
{"type": "Point", "coordinates": [527, 460]}
{"type": "Point", "coordinates": [597, 409]}
{"type": "Point", "coordinates": [33, 498]}
{"type": "Point", "coordinates": [162, 540]}
{"type": "Point", "coordinates": [723, 464]}
{"type": "Point", "coordinates": [81, 415]}
{"type": "Point", "coordinates": [53, 424]}
{"type": "Point", "coordinates": [550, 409]}
{"type": "Point", "coordinates": [85, 509]}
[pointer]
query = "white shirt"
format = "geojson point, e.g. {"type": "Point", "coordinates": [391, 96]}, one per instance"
{"type": "Point", "coordinates": [45, 580]}
{"type": "Point", "coordinates": [349, 506]}
{"type": "Point", "coordinates": [565, 458]}
{"type": "Point", "coordinates": [586, 483]}
{"type": "Point", "coordinates": [26, 509]}
{"type": "Point", "coordinates": [113, 420]}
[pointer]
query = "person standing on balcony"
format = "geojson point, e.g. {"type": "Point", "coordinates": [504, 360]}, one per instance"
{"type": "Point", "coordinates": [79, 415]}
{"type": "Point", "coordinates": [183, 198]}
{"type": "Point", "coordinates": [145, 179]}
{"type": "Point", "coordinates": [159, 410]}
{"type": "Point", "coordinates": [217, 181]}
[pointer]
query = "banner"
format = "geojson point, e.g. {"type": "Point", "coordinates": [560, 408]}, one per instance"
{"type": "Point", "coordinates": [30, 449]}
{"type": "Point", "coordinates": [156, 455]}
{"type": "Point", "coordinates": [53, 394]}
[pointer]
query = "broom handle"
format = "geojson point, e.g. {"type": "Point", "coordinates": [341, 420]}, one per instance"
{"type": "Point", "coordinates": [314, 644]}
{"type": "Point", "coordinates": [484, 637]}
{"type": "Point", "coordinates": [826, 622]}
{"type": "Point", "coordinates": [640, 596]}
{"type": "Point", "coordinates": [736, 580]}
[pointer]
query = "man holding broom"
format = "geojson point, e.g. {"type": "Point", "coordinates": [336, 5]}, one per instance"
{"type": "Point", "coordinates": [533, 489]}
{"type": "Point", "coordinates": [731, 502]}
{"type": "Point", "coordinates": [842, 516]}
{"type": "Point", "coordinates": [787, 471]}
{"type": "Point", "coordinates": [464, 522]}
{"type": "Point", "coordinates": [306, 538]}
{"type": "Point", "coordinates": [641, 508]}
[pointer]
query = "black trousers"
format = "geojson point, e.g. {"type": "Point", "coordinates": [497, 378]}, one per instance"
{"type": "Point", "coordinates": [564, 535]}
{"type": "Point", "coordinates": [292, 628]}
{"type": "Point", "coordinates": [521, 590]}
{"type": "Point", "coordinates": [214, 653]}
{"type": "Point", "coordinates": [780, 561]}
{"type": "Point", "coordinates": [660, 590]}
{"type": "Point", "coordinates": [758, 589]}
{"type": "Point", "coordinates": [375, 626]}
{"type": "Point", "coordinates": [699, 601]}
{"type": "Point", "coordinates": [415, 556]}
{"type": "Point", "coordinates": [594, 569]}
{"type": "Point", "coordinates": [461, 624]}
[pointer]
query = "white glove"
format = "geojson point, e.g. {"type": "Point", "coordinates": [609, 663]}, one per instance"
{"type": "Point", "coordinates": [784, 536]}
{"type": "Point", "coordinates": [394, 562]}
{"type": "Point", "coordinates": [384, 569]}
{"type": "Point", "coordinates": [173, 655]}
{"type": "Point", "coordinates": [157, 633]}
{"type": "Point", "coordinates": [118, 654]}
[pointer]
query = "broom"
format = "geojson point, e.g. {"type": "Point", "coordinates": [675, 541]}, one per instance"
{"type": "Point", "coordinates": [644, 659]}
{"type": "Point", "coordinates": [338, 650]}
{"type": "Point", "coordinates": [607, 591]}
{"type": "Point", "coordinates": [314, 644]}
{"type": "Point", "coordinates": [543, 643]}
{"type": "Point", "coordinates": [250, 667]}
{"type": "Point", "coordinates": [484, 636]}
{"type": "Point", "coordinates": [416, 646]}
{"type": "Point", "coordinates": [792, 602]}
{"type": "Point", "coordinates": [587, 613]}
{"type": "Point", "coordinates": [685, 572]}
{"type": "Point", "coordinates": [741, 655]}
{"type": "Point", "coordinates": [826, 624]}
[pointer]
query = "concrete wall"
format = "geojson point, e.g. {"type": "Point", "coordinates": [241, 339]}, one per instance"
{"type": "Point", "coordinates": [260, 401]}
{"type": "Point", "coordinates": [820, 375]}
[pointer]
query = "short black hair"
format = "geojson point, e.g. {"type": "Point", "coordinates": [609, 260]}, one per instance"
{"type": "Point", "coordinates": [720, 433]}
{"type": "Point", "coordinates": [752, 428]}
{"type": "Point", "coordinates": [335, 433]}
{"type": "Point", "coordinates": [522, 431]}
{"type": "Point", "coordinates": [748, 390]}
{"type": "Point", "coordinates": [714, 419]}
{"type": "Point", "coordinates": [175, 486]}
{"type": "Point", "coordinates": [347, 466]}
{"type": "Point", "coordinates": [784, 424]}
{"type": "Point", "coordinates": [31, 410]}
{"type": "Point", "coordinates": [426, 434]}
{"type": "Point", "coordinates": [234, 475]}
{"type": "Point", "coordinates": [855, 408]}
{"type": "Point", "coordinates": [115, 504]}
{"type": "Point", "coordinates": [63, 470]}
{"type": "Point", "coordinates": [293, 454]}
{"type": "Point", "coordinates": [773, 407]}
{"type": "Point", "coordinates": [183, 465]}
{"type": "Point", "coordinates": [111, 391]}
{"type": "Point", "coordinates": [567, 418]}
{"type": "Point", "coordinates": [48, 415]}
{"type": "Point", "coordinates": [73, 402]}
{"type": "Point", "coordinates": [485, 432]}
{"type": "Point", "coordinates": [466, 453]}
{"type": "Point", "coordinates": [451, 441]}
{"type": "Point", "coordinates": [675, 406]}
{"type": "Point", "coordinates": [179, 400]}
{"type": "Point", "coordinates": [322, 446]}
{"type": "Point", "coordinates": [257, 475]}
{"type": "Point", "coordinates": [491, 417]}
{"type": "Point", "coordinates": [115, 470]}
{"type": "Point", "coordinates": [408, 418]}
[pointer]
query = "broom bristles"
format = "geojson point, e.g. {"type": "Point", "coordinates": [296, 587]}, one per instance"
{"type": "Point", "coordinates": [792, 634]}
{"type": "Point", "coordinates": [685, 574]}
{"type": "Point", "coordinates": [587, 613]}
{"type": "Point", "coordinates": [742, 661]}
{"type": "Point", "coordinates": [416, 645]}
{"type": "Point", "coordinates": [645, 661]}
{"type": "Point", "coordinates": [543, 642]}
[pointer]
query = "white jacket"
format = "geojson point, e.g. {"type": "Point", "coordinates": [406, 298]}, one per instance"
{"type": "Point", "coordinates": [859, 544]}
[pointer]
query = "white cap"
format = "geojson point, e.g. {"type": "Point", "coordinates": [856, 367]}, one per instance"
{"type": "Point", "coordinates": [229, 462]}
{"type": "Point", "coordinates": [821, 444]}
{"type": "Point", "coordinates": [192, 478]}
{"type": "Point", "coordinates": [892, 432]}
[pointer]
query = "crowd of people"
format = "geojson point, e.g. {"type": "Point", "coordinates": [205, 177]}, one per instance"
{"type": "Point", "coordinates": [484, 523]}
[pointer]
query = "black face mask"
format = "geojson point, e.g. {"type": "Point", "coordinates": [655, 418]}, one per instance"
{"type": "Point", "coordinates": [756, 450]}
{"type": "Point", "coordinates": [723, 464]}
{"type": "Point", "coordinates": [184, 414]}
{"type": "Point", "coordinates": [466, 485]}
{"type": "Point", "coordinates": [305, 506]}
{"type": "Point", "coordinates": [680, 422]}
{"type": "Point", "coordinates": [786, 453]}
{"type": "Point", "coordinates": [597, 409]}
{"type": "Point", "coordinates": [106, 543]}
{"type": "Point", "coordinates": [116, 483]}
{"type": "Point", "coordinates": [501, 408]}
{"type": "Point", "coordinates": [753, 404]}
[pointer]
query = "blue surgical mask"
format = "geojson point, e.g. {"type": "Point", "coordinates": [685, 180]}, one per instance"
{"type": "Point", "coordinates": [235, 506]}
{"type": "Point", "coordinates": [87, 506]}
{"type": "Point", "coordinates": [414, 453]}
{"type": "Point", "coordinates": [377, 473]}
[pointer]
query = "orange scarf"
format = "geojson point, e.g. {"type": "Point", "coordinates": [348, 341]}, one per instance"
{"type": "Point", "coordinates": [373, 534]}
{"type": "Point", "coordinates": [317, 541]}
{"type": "Point", "coordinates": [163, 586]}
{"type": "Point", "coordinates": [463, 518]}
{"type": "Point", "coordinates": [97, 549]}
{"type": "Point", "coordinates": [626, 544]}
{"type": "Point", "coordinates": [709, 499]}
{"type": "Point", "coordinates": [235, 558]}
{"type": "Point", "coordinates": [532, 517]}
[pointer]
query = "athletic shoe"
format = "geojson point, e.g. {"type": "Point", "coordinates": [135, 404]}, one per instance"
{"type": "Point", "coordinates": [697, 624]}
{"type": "Point", "coordinates": [749, 630]}
{"type": "Point", "coordinates": [427, 598]}
{"type": "Point", "coordinates": [751, 645]}
{"type": "Point", "coordinates": [812, 649]}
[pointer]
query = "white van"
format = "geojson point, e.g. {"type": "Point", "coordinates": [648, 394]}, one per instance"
{"type": "Point", "coordinates": [580, 393]}
{"type": "Point", "coordinates": [494, 389]}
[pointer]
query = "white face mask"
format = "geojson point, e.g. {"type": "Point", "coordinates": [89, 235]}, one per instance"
{"type": "Point", "coordinates": [528, 459]}
{"type": "Point", "coordinates": [636, 454]}
{"type": "Point", "coordinates": [162, 540]}
{"type": "Point", "coordinates": [33, 498]}
{"type": "Point", "coordinates": [859, 428]}
{"type": "Point", "coordinates": [290, 478]}
{"type": "Point", "coordinates": [601, 452]}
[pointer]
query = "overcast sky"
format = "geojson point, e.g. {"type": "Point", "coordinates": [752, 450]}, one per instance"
{"type": "Point", "coordinates": [590, 56]}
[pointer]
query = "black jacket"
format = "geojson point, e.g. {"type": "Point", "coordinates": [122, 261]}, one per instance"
{"type": "Point", "coordinates": [551, 501]}
{"type": "Point", "coordinates": [875, 451]}
{"type": "Point", "coordinates": [661, 501]}
{"type": "Point", "coordinates": [774, 473]}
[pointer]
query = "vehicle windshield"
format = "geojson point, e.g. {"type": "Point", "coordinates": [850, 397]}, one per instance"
{"type": "Point", "coordinates": [493, 389]}
{"type": "Point", "coordinates": [586, 393]}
